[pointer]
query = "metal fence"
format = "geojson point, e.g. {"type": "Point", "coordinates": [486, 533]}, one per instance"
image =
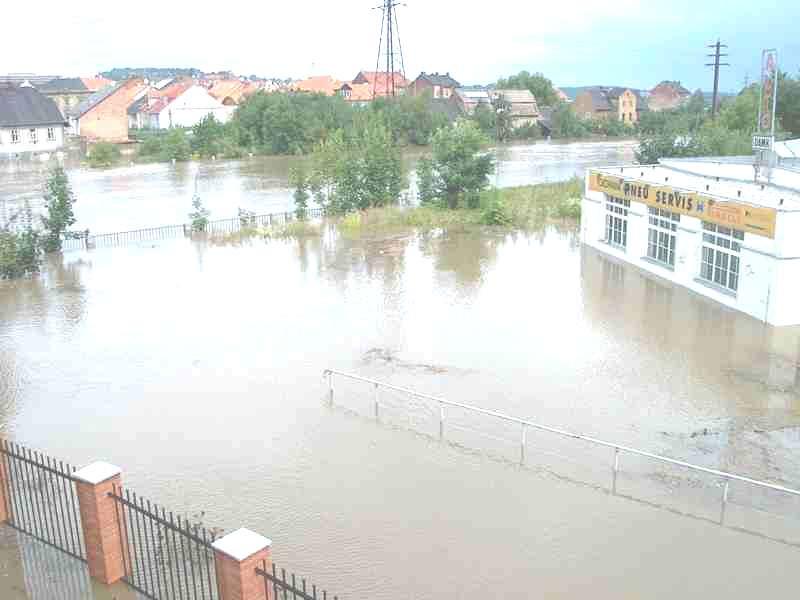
{"type": "Point", "coordinates": [85, 240]}
{"type": "Point", "coordinates": [41, 498]}
{"type": "Point", "coordinates": [280, 586]}
{"type": "Point", "coordinates": [166, 557]}
{"type": "Point", "coordinates": [731, 500]}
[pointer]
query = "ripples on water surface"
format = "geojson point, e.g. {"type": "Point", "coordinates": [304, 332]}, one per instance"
{"type": "Point", "coordinates": [198, 369]}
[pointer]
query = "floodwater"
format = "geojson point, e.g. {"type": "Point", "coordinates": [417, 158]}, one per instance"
{"type": "Point", "coordinates": [150, 195]}
{"type": "Point", "coordinates": [198, 369]}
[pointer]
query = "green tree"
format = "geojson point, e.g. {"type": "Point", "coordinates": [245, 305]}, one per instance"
{"type": "Point", "coordinates": [359, 169]}
{"type": "Point", "coordinates": [199, 215]}
{"type": "Point", "coordinates": [59, 201]}
{"type": "Point", "coordinates": [103, 154]}
{"type": "Point", "coordinates": [19, 253]}
{"type": "Point", "coordinates": [299, 179]}
{"type": "Point", "coordinates": [741, 113]}
{"type": "Point", "coordinates": [566, 124]}
{"type": "Point", "coordinates": [788, 104]}
{"type": "Point", "coordinates": [208, 137]}
{"type": "Point", "coordinates": [539, 85]}
{"type": "Point", "coordinates": [696, 104]}
{"type": "Point", "coordinates": [459, 168]}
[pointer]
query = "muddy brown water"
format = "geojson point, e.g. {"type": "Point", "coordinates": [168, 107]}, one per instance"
{"type": "Point", "coordinates": [151, 195]}
{"type": "Point", "coordinates": [198, 369]}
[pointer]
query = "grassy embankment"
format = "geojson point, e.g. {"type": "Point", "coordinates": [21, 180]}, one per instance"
{"type": "Point", "coordinates": [520, 208]}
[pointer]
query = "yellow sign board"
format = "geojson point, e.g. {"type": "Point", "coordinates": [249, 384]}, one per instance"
{"type": "Point", "coordinates": [752, 219]}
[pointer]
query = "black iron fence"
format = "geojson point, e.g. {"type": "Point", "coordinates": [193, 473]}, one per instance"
{"type": "Point", "coordinates": [279, 586]}
{"type": "Point", "coordinates": [41, 499]}
{"type": "Point", "coordinates": [84, 240]}
{"type": "Point", "coordinates": [166, 557]}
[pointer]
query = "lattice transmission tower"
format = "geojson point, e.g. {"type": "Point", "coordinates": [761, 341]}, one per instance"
{"type": "Point", "coordinates": [391, 49]}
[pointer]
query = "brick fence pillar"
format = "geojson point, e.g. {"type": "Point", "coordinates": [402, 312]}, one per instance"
{"type": "Point", "coordinates": [100, 521]}
{"type": "Point", "coordinates": [236, 556]}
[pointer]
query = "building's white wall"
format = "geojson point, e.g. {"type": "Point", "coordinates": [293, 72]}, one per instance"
{"type": "Point", "coordinates": [191, 107]}
{"type": "Point", "coordinates": [25, 145]}
{"type": "Point", "coordinates": [769, 281]}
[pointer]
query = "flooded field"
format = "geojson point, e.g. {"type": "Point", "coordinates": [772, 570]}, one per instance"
{"type": "Point", "coordinates": [150, 195]}
{"type": "Point", "coordinates": [198, 369]}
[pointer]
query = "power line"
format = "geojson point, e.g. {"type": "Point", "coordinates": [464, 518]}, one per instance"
{"type": "Point", "coordinates": [716, 64]}
{"type": "Point", "coordinates": [391, 33]}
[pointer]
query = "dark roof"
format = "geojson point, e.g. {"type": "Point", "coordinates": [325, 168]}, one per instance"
{"type": "Point", "coordinates": [63, 84]}
{"type": "Point", "coordinates": [94, 100]}
{"type": "Point", "coordinates": [437, 79]}
{"type": "Point", "coordinates": [22, 106]}
{"type": "Point", "coordinates": [138, 106]}
{"type": "Point", "coordinates": [599, 98]}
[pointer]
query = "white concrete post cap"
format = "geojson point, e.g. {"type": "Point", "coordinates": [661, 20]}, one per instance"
{"type": "Point", "coordinates": [241, 544]}
{"type": "Point", "coordinates": [97, 472]}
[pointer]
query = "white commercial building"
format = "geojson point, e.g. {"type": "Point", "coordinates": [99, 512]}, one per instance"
{"type": "Point", "coordinates": [720, 227]}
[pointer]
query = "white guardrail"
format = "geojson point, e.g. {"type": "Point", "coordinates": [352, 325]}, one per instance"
{"type": "Point", "coordinates": [525, 424]}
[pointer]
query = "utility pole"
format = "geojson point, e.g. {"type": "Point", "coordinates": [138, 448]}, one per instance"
{"type": "Point", "coordinates": [393, 47]}
{"type": "Point", "coordinates": [716, 64]}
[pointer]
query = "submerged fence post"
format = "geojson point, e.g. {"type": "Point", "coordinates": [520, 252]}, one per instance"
{"type": "Point", "coordinates": [5, 494]}
{"type": "Point", "coordinates": [330, 388]}
{"type": "Point", "coordinates": [616, 470]}
{"type": "Point", "coordinates": [441, 420]}
{"type": "Point", "coordinates": [236, 557]}
{"type": "Point", "coordinates": [376, 402]}
{"type": "Point", "coordinates": [100, 520]}
{"type": "Point", "coordinates": [724, 502]}
{"type": "Point", "coordinates": [522, 444]}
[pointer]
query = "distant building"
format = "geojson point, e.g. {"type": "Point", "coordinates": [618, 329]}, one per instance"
{"type": "Point", "coordinates": [69, 92]}
{"type": "Point", "coordinates": [382, 84]}
{"type": "Point", "coordinates": [522, 105]}
{"type": "Point", "coordinates": [320, 84]}
{"type": "Point", "coordinates": [358, 94]}
{"type": "Point", "coordinates": [30, 122]}
{"type": "Point", "coordinates": [232, 92]}
{"type": "Point", "coordinates": [182, 104]}
{"type": "Point", "coordinates": [615, 103]}
{"type": "Point", "coordinates": [439, 86]}
{"type": "Point", "coordinates": [104, 114]}
{"type": "Point", "coordinates": [561, 95]}
{"type": "Point", "coordinates": [468, 99]}
{"type": "Point", "coordinates": [668, 95]}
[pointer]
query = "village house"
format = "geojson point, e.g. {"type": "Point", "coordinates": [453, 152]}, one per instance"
{"type": "Point", "coordinates": [725, 228]}
{"type": "Point", "coordinates": [522, 106]}
{"type": "Point", "coordinates": [668, 95]}
{"type": "Point", "coordinates": [320, 84]}
{"type": "Point", "coordinates": [69, 92]}
{"type": "Point", "coordinates": [357, 94]}
{"type": "Point", "coordinates": [614, 103]}
{"type": "Point", "coordinates": [104, 114]}
{"type": "Point", "coordinates": [30, 122]}
{"type": "Point", "coordinates": [381, 84]}
{"type": "Point", "coordinates": [439, 86]}
{"type": "Point", "coordinates": [466, 100]}
{"type": "Point", "coordinates": [231, 92]}
{"type": "Point", "coordinates": [180, 103]}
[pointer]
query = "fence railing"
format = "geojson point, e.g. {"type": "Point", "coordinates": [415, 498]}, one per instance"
{"type": "Point", "coordinates": [41, 499]}
{"type": "Point", "coordinates": [165, 557]}
{"type": "Point", "coordinates": [280, 586]}
{"type": "Point", "coordinates": [724, 480]}
{"type": "Point", "coordinates": [85, 240]}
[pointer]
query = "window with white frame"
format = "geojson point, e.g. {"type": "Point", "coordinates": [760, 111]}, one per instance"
{"type": "Point", "coordinates": [51, 134]}
{"type": "Point", "coordinates": [720, 260]}
{"type": "Point", "coordinates": [15, 136]}
{"type": "Point", "coordinates": [617, 221]}
{"type": "Point", "coordinates": [661, 236]}
{"type": "Point", "coordinates": [32, 135]}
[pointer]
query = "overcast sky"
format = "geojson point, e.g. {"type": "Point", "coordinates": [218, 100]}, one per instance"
{"type": "Point", "coordinates": [573, 42]}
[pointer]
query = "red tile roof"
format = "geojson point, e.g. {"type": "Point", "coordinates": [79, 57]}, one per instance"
{"type": "Point", "coordinates": [381, 82]}
{"type": "Point", "coordinates": [96, 83]}
{"type": "Point", "coordinates": [321, 84]}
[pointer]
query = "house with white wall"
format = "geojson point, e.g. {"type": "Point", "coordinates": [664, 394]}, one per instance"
{"type": "Point", "coordinates": [30, 122]}
{"type": "Point", "coordinates": [181, 105]}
